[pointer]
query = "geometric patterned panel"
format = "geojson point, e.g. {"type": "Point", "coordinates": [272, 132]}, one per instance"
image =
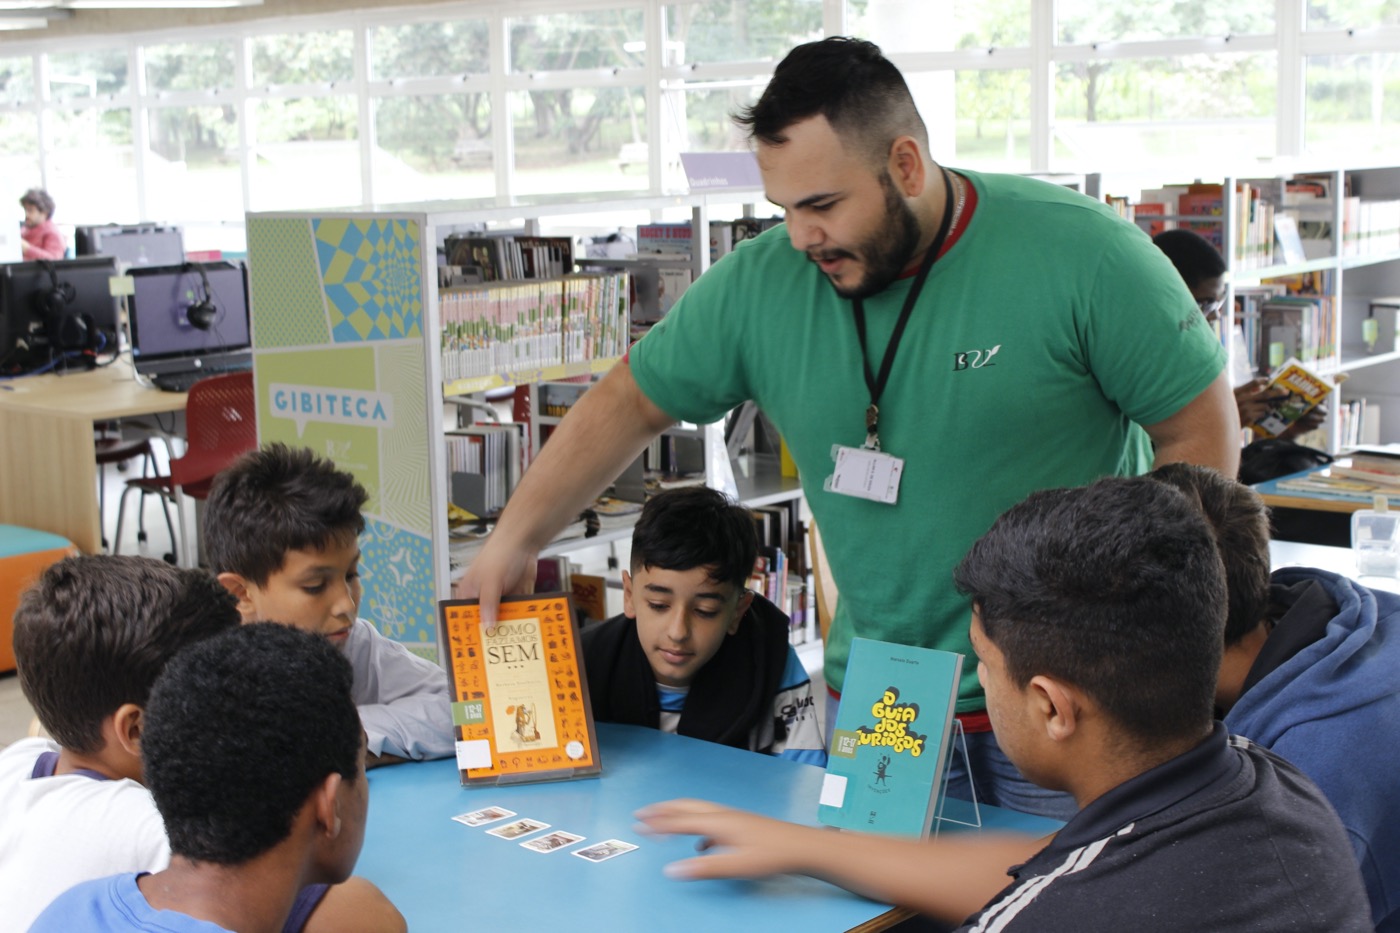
{"type": "Point", "coordinates": [397, 574]}
{"type": "Point", "coordinates": [369, 270]}
{"type": "Point", "coordinates": [289, 308]}
{"type": "Point", "coordinates": [404, 464]}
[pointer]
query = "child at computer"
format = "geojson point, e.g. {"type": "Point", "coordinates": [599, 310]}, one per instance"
{"type": "Point", "coordinates": [281, 532]}
{"type": "Point", "coordinates": [694, 651]}
{"type": "Point", "coordinates": [90, 638]}
{"type": "Point", "coordinates": [273, 803]}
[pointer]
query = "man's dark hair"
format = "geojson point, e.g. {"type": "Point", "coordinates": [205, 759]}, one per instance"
{"type": "Point", "coordinates": [240, 730]}
{"type": "Point", "coordinates": [1195, 257]}
{"type": "Point", "coordinates": [95, 631]}
{"type": "Point", "coordinates": [696, 526]}
{"type": "Point", "coordinates": [275, 500]}
{"type": "Point", "coordinates": [850, 83]}
{"type": "Point", "coordinates": [1240, 521]}
{"type": "Point", "coordinates": [1116, 588]}
{"type": "Point", "coordinates": [38, 198]}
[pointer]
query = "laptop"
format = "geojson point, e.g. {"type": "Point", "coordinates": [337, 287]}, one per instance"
{"type": "Point", "coordinates": [186, 326]}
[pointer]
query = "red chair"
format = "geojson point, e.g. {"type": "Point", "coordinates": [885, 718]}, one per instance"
{"type": "Point", "coordinates": [221, 424]}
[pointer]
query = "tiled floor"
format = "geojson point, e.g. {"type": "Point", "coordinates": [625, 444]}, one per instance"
{"type": "Point", "coordinates": [15, 712]}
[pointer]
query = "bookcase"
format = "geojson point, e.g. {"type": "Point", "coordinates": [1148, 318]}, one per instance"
{"type": "Point", "coordinates": [1346, 254]}
{"type": "Point", "coordinates": [348, 331]}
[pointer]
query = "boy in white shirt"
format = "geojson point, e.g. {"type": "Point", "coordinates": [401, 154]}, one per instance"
{"type": "Point", "coordinates": [281, 531]}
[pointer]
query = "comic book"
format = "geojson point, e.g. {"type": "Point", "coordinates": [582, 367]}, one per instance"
{"type": "Point", "coordinates": [889, 749]}
{"type": "Point", "coordinates": [1306, 390]}
{"type": "Point", "coordinates": [520, 701]}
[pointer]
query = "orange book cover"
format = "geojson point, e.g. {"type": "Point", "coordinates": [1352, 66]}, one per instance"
{"type": "Point", "coordinates": [520, 700]}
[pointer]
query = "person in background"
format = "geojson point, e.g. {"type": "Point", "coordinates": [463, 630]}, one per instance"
{"type": "Point", "coordinates": [957, 339]}
{"type": "Point", "coordinates": [695, 652]}
{"type": "Point", "coordinates": [1097, 615]}
{"type": "Point", "coordinates": [1311, 670]}
{"type": "Point", "coordinates": [1202, 268]}
{"type": "Point", "coordinates": [40, 235]}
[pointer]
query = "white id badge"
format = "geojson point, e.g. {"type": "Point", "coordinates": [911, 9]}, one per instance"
{"type": "Point", "coordinates": [865, 474]}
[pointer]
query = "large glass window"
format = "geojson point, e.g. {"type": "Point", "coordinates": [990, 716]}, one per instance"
{"type": "Point", "coordinates": [19, 150]}
{"type": "Point", "coordinates": [303, 58]}
{"type": "Point", "coordinates": [307, 154]}
{"type": "Point", "coordinates": [81, 139]}
{"type": "Point", "coordinates": [738, 30]}
{"type": "Point", "coordinates": [17, 80]}
{"type": "Point", "coordinates": [1352, 14]}
{"type": "Point", "coordinates": [78, 75]}
{"type": "Point", "coordinates": [993, 121]}
{"type": "Point", "coordinates": [192, 165]}
{"type": "Point", "coordinates": [1198, 110]}
{"type": "Point", "coordinates": [574, 41]}
{"type": "Point", "coordinates": [962, 24]}
{"type": "Point", "coordinates": [1353, 105]}
{"type": "Point", "coordinates": [587, 139]}
{"type": "Point", "coordinates": [425, 50]}
{"type": "Point", "coordinates": [1081, 22]}
{"type": "Point", "coordinates": [189, 66]}
{"type": "Point", "coordinates": [432, 147]}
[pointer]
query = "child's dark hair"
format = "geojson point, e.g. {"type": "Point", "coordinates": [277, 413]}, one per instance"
{"type": "Point", "coordinates": [1196, 258]}
{"type": "Point", "coordinates": [39, 199]}
{"type": "Point", "coordinates": [275, 500]}
{"type": "Point", "coordinates": [1117, 588]}
{"type": "Point", "coordinates": [696, 526]}
{"type": "Point", "coordinates": [240, 729]}
{"type": "Point", "coordinates": [94, 632]}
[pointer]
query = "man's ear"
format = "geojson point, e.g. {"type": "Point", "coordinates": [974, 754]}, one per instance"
{"type": "Point", "coordinates": [1058, 706]}
{"type": "Point", "coordinates": [908, 167]}
{"type": "Point", "coordinates": [628, 609]}
{"type": "Point", "coordinates": [325, 803]}
{"type": "Point", "coordinates": [242, 591]}
{"type": "Point", "coordinates": [127, 723]}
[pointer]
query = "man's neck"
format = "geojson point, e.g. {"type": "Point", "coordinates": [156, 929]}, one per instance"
{"type": "Point", "coordinates": [253, 897]}
{"type": "Point", "coordinates": [1235, 665]}
{"type": "Point", "coordinates": [930, 212]}
{"type": "Point", "coordinates": [1119, 760]}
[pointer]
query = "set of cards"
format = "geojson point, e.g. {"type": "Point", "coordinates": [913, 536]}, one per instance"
{"type": "Point", "coordinates": [552, 842]}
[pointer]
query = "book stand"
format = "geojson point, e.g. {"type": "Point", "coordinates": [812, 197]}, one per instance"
{"type": "Point", "coordinates": [970, 812]}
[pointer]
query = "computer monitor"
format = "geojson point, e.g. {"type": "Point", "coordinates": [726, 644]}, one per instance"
{"type": "Point", "coordinates": [139, 245]}
{"type": "Point", "coordinates": [57, 312]}
{"type": "Point", "coordinates": [182, 320]}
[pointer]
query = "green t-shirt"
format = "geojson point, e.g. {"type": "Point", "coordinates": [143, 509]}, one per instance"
{"type": "Point", "coordinates": [1045, 335]}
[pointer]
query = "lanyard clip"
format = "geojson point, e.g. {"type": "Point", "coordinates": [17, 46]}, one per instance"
{"type": "Point", "coordinates": [872, 428]}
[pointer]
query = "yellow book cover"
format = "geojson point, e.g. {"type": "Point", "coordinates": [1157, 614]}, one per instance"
{"type": "Point", "coordinates": [520, 701]}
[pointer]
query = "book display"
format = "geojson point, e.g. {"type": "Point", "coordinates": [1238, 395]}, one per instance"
{"type": "Point", "coordinates": [888, 752]}
{"type": "Point", "coordinates": [520, 700]}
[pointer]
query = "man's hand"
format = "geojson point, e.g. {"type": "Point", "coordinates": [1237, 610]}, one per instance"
{"type": "Point", "coordinates": [498, 570]}
{"type": "Point", "coordinates": [741, 844]}
{"type": "Point", "coordinates": [1254, 398]}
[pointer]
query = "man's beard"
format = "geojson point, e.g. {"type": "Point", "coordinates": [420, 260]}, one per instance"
{"type": "Point", "coordinates": [885, 254]}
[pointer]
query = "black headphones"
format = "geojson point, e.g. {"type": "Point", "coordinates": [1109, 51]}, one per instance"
{"type": "Point", "coordinates": [66, 329]}
{"type": "Point", "coordinates": [202, 313]}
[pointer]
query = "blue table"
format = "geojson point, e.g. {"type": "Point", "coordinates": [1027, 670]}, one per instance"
{"type": "Point", "coordinates": [445, 876]}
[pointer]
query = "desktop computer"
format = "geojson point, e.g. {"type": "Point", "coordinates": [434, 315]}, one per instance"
{"type": "Point", "coordinates": [57, 314]}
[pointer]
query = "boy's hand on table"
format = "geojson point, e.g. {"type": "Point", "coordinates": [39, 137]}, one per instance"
{"type": "Point", "coordinates": [740, 844]}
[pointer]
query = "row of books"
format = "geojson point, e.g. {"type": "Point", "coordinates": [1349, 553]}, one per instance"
{"type": "Point", "coordinates": [1201, 207]}
{"type": "Point", "coordinates": [1358, 421]}
{"type": "Point", "coordinates": [1299, 326]}
{"type": "Point", "coordinates": [676, 238]}
{"type": "Point", "coordinates": [509, 327]}
{"type": "Point", "coordinates": [495, 257]}
{"type": "Point", "coordinates": [484, 463]}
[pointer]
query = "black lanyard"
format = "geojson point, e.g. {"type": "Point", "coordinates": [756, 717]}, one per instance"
{"type": "Point", "coordinates": [875, 384]}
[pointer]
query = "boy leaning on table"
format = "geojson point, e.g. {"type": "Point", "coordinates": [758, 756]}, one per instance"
{"type": "Point", "coordinates": [1098, 615]}
{"type": "Point", "coordinates": [281, 531]}
{"type": "Point", "coordinates": [694, 651]}
{"type": "Point", "coordinates": [91, 637]}
{"type": "Point", "coordinates": [271, 804]}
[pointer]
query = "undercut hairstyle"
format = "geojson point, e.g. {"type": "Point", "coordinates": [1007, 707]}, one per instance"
{"type": "Point", "coordinates": [39, 199]}
{"type": "Point", "coordinates": [240, 730]}
{"type": "Point", "coordinates": [696, 526]}
{"type": "Point", "coordinates": [1240, 521]}
{"type": "Point", "coordinates": [1195, 257]}
{"type": "Point", "coordinates": [94, 632]}
{"type": "Point", "coordinates": [850, 83]}
{"type": "Point", "coordinates": [1116, 588]}
{"type": "Point", "coordinates": [275, 500]}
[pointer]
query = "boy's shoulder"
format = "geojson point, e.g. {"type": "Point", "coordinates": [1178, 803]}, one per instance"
{"type": "Point", "coordinates": [115, 905]}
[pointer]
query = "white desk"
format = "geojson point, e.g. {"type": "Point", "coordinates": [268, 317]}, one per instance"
{"type": "Point", "coordinates": [1339, 560]}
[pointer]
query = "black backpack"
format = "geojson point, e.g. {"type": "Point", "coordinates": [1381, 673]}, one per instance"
{"type": "Point", "coordinates": [1273, 457]}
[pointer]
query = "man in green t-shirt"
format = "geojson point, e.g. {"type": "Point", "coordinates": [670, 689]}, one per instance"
{"type": "Point", "coordinates": [933, 345]}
